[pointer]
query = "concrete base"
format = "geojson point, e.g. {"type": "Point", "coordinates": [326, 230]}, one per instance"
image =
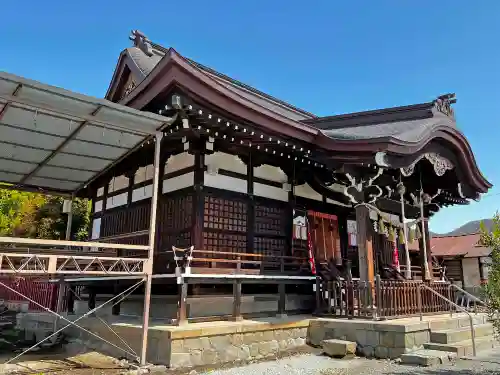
{"type": "Point", "coordinates": [194, 344]}
{"type": "Point", "coordinates": [385, 339]}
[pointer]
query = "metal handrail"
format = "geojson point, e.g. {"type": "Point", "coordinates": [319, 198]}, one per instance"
{"type": "Point", "coordinates": [472, 329]}
{"type": "Point", "coordinates": [469, 295]}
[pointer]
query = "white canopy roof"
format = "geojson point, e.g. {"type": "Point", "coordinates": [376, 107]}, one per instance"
{"type": "Point", "coordinates": [58, 140]}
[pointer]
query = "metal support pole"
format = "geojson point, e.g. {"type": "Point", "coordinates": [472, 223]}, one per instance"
{"type": "Point", "coordinates": [70, 221]}
{"type": "Point", "coordinates": [60, 300]}
{"type": "Point", "coordinates": [152, 235]}
{"type": "Point", "coordinates": [427, 275]}
{"type": "Point", "coordinates": [70, 323]}
{"type": "Point", "coordinates": [405, 234]}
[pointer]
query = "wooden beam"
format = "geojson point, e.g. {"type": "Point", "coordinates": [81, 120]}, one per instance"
{"type": "Point", "coordinates": [365, 246]}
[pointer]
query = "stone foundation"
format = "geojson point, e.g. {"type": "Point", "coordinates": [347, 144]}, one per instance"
{"type": "Point", "coordinates": [196, 344]}
{"type": "Point", "coordinates": [374, 339]}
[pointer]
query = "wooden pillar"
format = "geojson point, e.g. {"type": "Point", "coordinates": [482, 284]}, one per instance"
{"type": "Point", "coordinates": [425, 227]}
{"type": "Point", "coordinates": [282, 300]}
{"type": "Point", "coordinates": [115, 310]}
{"type": "Point", "coordinates": [344, 236]}
{"type": "Point", "coordinates": [237, 300]}
{"type": "Point", "coordinates": [365, 247]}
{"type": "Point", "coordinates": [92, 298]}
{"type": "Point", "coordinates": [198, 200]}
{"type": "Point", "coordinates": [250, 209]}
{"type": "Point", "coordinates": [71, 299]}
{"type": "Point", "coordinates": [182, 303]}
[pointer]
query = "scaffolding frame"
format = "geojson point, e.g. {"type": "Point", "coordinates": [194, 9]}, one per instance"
{"type": "Point", "coordinates": [33, 166]}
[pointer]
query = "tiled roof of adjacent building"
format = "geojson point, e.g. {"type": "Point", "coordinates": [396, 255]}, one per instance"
{"type": "Point", "coordinates": [467, 246]}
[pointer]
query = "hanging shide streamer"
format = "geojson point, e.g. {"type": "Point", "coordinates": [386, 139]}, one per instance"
{"type": "Point", "coordinates": [401, 237]}
{"type": "Point", "coordinates": [418, 233]}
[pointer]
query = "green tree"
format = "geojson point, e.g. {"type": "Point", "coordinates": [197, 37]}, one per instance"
{"type": "Point", "coordinates": [491, 239]}
{"type": "Point", "coordinates": [40, 216]}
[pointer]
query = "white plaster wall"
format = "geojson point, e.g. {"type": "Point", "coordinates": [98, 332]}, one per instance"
{"type": "Point", "coordinates": [274, 174]}
{"type": "Point", "coordinates": [307, 191]}
{"type": "Point", "coordinates": [471, 272]}
{"type": "Point", "coordinates": [142, 193]}
{"type": "Point", "coordinates": [178, 162]}
{"type": "Point", "coordinates": [178, 182]}
{"type": "Point", "coordinates": [221, 160]}
{"type": "Point", "coordinates": [96, 228]}
{"type": "Point", "coordinates": [116, 201]}
{"type": "Point", "coordinates": [98, 206]}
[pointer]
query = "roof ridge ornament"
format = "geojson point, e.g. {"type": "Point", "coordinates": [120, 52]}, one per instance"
{"type": "Point", "coordinates": [142, 42]}
{"type": "Point", "coordinates": [443, 104]}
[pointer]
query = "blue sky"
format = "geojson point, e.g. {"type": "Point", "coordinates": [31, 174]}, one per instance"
{"type": "Point", "coordinates": [327, 57]}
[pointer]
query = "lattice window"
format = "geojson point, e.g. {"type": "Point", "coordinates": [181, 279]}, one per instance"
{"type": "Point", "coordinates": [274, 247]}
{"type": "Point", "coordinates": [270, 220]}
{"type": "Point", "coordinates": [225, 214]}
{"type": "Point", "coordinates": [216, 241]}
{"type": "Point", "coordinates": [176, 213]}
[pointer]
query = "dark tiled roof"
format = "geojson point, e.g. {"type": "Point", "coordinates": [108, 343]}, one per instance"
{"type": "Point", "coordinates": [147, 63]}
{"type": "Point", "coordinates": [409, 124]}
{"type": "Point", "coordinates": [466, 245]}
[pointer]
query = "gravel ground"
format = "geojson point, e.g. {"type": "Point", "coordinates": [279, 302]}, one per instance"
{"type": "Point", "coordinates": [310, 364]}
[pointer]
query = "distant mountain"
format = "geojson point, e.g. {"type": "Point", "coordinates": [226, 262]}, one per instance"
{"type": "Point", "coordinates": [469, 228]}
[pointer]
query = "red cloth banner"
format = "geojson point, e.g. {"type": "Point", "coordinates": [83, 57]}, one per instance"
{"type": "Point", "coordinates": [310, 251]}
{"type": "Point", "coordinates": [395, 256]}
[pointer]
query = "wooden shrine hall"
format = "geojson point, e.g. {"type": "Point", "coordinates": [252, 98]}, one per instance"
{"type": "Point", "coordinates": [258, 198]}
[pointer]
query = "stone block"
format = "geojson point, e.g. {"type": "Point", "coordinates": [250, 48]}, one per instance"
{"type": "Point", "coordinates": [387, 339]}
{"type": "Point", "coordinates": [421, 337]}
{"type": "Point", "coordinates": [338, 348]}
{"type": "Point", "coordinates": [265, 348]}
{"type": "Point", "coordinates": [254, 349]}
{"type": "Point", "coordinates": [230, 354]}
{"type": "Point", "coordinates": [180, 360]}
{"type": "Point", "coordinates": [209, 357]}
{"type": "Point", "coordinates": [427, 357]}
{"type": "Point", "coordinates": [300, 341]}
{"type": "Point", "coordinates": [381, 352]}
{"type": "Point", "coordinates": [372, 338]}
{"type": "Point", "coordinates": [196, 344]}
{"type": "Point", "coordinates": [315, 334]}
{"type": "Point", "coordinates": [273, 344]}
{"type": "Point", "coordinates": [220, 343]}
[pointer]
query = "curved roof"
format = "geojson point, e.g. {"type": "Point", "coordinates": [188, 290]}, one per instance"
{"type": "Point", "coordinates": [400, 131]}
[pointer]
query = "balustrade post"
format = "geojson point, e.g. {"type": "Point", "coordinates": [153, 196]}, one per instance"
{"type": "Point", "coordinates": [419, 301]}
{"type": "Point", "coordinates": [377, 310]}
{"type": "Point", "coordinates": [318, 296]}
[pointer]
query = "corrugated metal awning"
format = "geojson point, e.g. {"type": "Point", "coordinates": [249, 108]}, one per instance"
{"type": "Point", "coordinates": [58, 140]}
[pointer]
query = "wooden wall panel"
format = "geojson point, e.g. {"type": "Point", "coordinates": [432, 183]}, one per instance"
{"type": "Point", "coordinates": [126, 219]}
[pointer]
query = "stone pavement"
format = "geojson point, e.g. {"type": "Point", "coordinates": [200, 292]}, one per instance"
{"type": "Point", "coordinates": [487, 363]}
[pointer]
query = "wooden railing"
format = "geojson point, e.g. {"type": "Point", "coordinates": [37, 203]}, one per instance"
{"type": "Point", "coordinates": [242, 262]}
{"type": "Point", "coordinates": [385, 299]}
{"type": "Point", "coordinates": [416, 272]}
